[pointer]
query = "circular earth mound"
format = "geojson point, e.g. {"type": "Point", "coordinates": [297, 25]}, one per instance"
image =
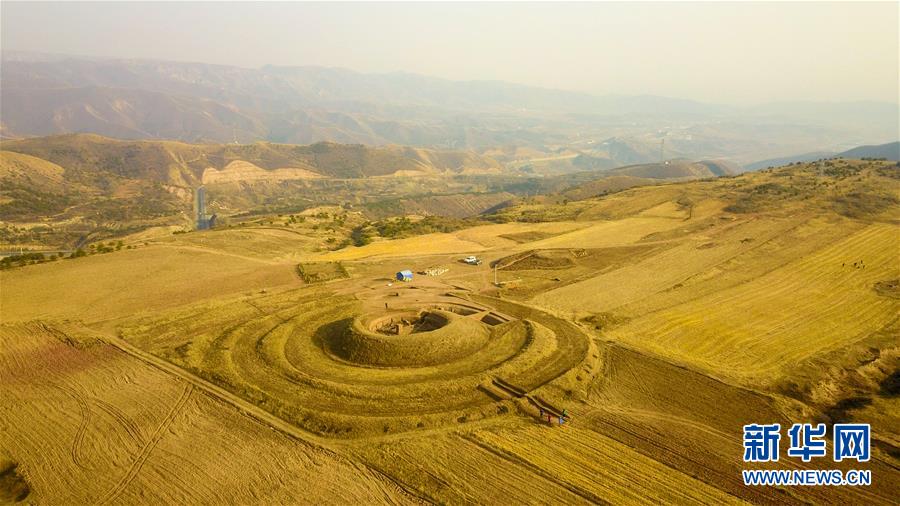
{"type": "Point", "coordinates": [409, 338]}
{"type": "Point", "coordinates": [317, 363]}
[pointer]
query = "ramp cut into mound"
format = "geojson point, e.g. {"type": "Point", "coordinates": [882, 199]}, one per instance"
{"type": "Point", "coordinates": [409, 338]}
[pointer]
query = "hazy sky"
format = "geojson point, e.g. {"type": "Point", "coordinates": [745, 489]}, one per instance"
{"type": "Point", "coordinates": [732, 53]}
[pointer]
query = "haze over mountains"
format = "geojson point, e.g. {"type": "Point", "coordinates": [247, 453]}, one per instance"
{"type": "Point", "coordinates": [195, 102]}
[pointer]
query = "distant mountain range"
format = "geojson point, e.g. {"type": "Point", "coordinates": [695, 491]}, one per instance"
{"type": "Point", "coordinates": [195, 102]}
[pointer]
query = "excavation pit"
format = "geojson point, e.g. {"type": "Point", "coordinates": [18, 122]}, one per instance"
{"type": "Point", "coordinates": [414, 337]}
{"type": "Point", "coordinates": [408, 323]}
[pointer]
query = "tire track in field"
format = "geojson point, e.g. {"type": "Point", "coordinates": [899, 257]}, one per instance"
{"type": "Point", "coordinates": [144, 454]}
{"type": "Point", "coordinates": [85, 410]}
{"type": "Point", "coordinates": [131, 428]}
{"type": "Point", "coordinates": [213, 251]}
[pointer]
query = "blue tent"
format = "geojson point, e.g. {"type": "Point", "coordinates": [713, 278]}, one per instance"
{"type": "Point", "coordinates": [404, 275]}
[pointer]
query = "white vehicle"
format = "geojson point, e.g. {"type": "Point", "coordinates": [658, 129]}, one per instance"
{"type": "Point", "coordinates": [472, 260]}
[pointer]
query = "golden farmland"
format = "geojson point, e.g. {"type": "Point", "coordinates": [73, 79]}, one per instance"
{"type": "Point", "coordinates": [207, 367]}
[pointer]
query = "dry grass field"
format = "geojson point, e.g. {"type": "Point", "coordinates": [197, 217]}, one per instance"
{"type": "Point", "coordinates": [87, 423]}
{"type": "Point", "coordinates": [253, 366]}
{"type": "Point", "coordinates": [820, 300]}
{"type": "Point", "coordinates": [132, 281]}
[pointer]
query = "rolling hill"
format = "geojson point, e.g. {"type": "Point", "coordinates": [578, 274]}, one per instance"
{"type": "Point", "coordinates": [598, 182]}
{"type": "Point", "coordinates": [677, 169]}
{"type": "Point", "coordinates": [785, 160]}
{"type": "Point", "coordinates": [889, 151]}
